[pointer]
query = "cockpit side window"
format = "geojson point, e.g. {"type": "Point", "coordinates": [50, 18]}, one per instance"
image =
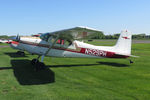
{"type": "Point", "coordinates": [64, 42]}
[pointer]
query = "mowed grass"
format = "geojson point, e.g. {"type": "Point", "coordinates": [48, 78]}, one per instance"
{"type": "Point", "coordinates": [76, 78]}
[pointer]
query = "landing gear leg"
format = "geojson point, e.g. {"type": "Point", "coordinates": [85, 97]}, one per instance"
{"type": "Point", "coordinates": [37, 64]}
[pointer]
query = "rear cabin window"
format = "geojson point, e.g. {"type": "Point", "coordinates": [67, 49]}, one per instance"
{"type": "Point", "coordinates": [61, 42]}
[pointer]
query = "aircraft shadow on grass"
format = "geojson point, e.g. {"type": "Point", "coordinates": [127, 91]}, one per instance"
{"type": "Point", "coordinates": [71, 65]}
{"type": "Point", "coordinates": [14, 54]}
{"type": "Point", "coordinates": [113, 64]}
{"type": "Point", "coordinates": [26, 75]}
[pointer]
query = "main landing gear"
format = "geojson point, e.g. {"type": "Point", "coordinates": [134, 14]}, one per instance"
{"type": "Point", "coordinates": [37, 64]}
{"type": "Point", "coordinates": [21, 53]}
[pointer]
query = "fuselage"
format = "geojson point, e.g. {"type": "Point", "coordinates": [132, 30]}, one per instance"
{"type": "Point", "coordinates": [63, 49]}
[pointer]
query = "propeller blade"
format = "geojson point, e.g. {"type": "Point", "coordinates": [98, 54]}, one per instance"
{"type": "Point", "coordinates": [15, 38]}
{"type": "Point", "coordinates": [18, 37]}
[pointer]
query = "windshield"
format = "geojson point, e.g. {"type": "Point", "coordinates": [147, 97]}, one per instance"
{"type": "Point", "coordinates": [45, 36]}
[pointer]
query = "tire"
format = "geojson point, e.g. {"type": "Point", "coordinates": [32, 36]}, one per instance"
{"type": "Point", "coordinates": [41, 65]}
{"type": "Point", "coordinates": [20, 53]}
{"type": "Point", "coordinates": [34, 61]}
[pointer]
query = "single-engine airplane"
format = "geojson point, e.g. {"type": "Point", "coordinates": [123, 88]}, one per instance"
{"type": "Point", "coordinates": [64, 43]}
{"type": "Point", "coordinates": [4, 41]}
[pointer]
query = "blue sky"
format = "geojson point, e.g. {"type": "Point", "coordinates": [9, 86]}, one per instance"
{"type": "Point", "coordinates": [111, 16]}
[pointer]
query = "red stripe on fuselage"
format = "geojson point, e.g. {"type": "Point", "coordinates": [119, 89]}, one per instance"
{"type": "Point", "coordinates": [87, 51]}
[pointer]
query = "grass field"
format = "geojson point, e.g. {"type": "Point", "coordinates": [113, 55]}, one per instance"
{"type": "Point", "coordinates": [76, 78]}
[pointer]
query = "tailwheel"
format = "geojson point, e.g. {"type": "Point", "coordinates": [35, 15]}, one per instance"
{"type": "Point", "coordinates": [131, 61]}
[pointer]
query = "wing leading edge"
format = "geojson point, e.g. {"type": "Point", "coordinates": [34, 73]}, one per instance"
{"type": "Point", "coordinates": [74, 33]}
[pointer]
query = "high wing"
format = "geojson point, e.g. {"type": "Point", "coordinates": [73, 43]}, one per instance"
{"type": "Point", "coordinates": [67, 35]}
{"type": "Point", "coordinates": [73, 33]}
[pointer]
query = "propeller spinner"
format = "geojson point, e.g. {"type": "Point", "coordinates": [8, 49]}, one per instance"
{"type": "Point", "coordinates": [16, 38]}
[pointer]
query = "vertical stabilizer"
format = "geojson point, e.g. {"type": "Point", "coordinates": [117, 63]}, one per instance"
{"type": "Point", "coordinates": [123, 45]}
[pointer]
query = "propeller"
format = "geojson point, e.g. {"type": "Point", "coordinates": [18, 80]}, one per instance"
{"type": "Point", "coordinates": [18, 37]}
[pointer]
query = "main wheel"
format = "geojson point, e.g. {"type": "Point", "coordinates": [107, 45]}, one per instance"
{"type": "Point", "coordinates": [20, 53]}
{"type": "Point", "coordinates": [34, 61]}
{"type": "Point", "coordinates": [40, 66]}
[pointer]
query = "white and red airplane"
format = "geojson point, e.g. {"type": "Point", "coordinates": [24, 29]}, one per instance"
{"type": "Point", "coordinates": [4, 41]}
{"type": "Point", "coordinates": [64, 43]}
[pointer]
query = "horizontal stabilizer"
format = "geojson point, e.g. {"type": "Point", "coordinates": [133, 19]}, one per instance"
{"type": "Point", "coordinates": [127, 55]}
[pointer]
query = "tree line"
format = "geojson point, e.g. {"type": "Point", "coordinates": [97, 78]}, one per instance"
{"type": "Point", "coordinates": [100, 36]}
{"type": "Point", "coordinates": [116, 36]}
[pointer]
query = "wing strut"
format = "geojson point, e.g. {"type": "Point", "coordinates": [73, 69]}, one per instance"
{"type": "Point", "coordinates": [50, 47]}
{"type": "Point", "coordinates": [40, 65]}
